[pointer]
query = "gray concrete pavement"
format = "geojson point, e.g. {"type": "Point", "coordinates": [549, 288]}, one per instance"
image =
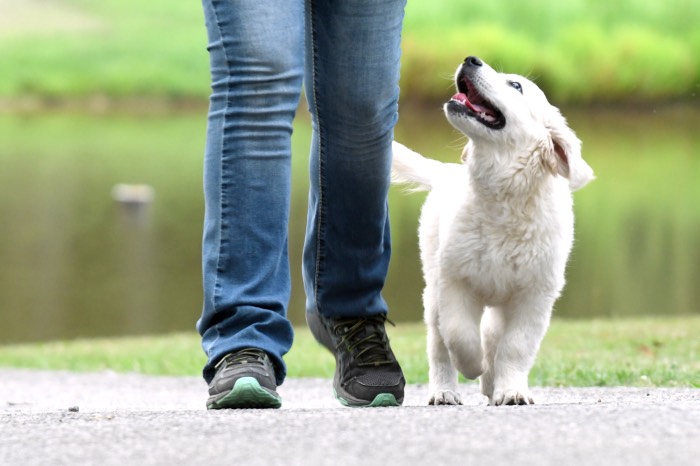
{"type": "Point", "coordinates": [126, 419]}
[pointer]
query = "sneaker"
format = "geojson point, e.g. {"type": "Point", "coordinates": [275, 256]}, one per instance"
{"type": "Point", "coordinates": [366, 371]}
{"type": "Point", "coordinates": [244, 379]}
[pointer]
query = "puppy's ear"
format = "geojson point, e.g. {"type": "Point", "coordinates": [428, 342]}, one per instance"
{"type": "Point", "coordinates": [565, 156]}
{"type": "Point", "coordinates": [466, 152]}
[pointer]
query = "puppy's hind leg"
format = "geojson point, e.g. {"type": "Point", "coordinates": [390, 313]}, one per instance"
{"type": "Point", "coordinates": [460, 315]}
{"type": "Point", "coordinates": [442, 374]}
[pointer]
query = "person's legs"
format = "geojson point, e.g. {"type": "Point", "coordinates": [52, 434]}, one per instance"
{"type": "Point", "coordinates": [352, 73]}
{"type": "Point", "coordinates": [257, 59]}
{"type": "Point", "coordinates": [353, 52]}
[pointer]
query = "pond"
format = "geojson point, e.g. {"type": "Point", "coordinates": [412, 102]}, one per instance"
{"type": "Point", "coordinates": [75, 263]}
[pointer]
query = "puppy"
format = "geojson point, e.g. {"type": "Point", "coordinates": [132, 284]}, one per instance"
{"type": "Point", "coordinates": [495, 232]}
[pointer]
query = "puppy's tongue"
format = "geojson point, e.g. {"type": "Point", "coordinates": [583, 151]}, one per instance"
{"type": "Point", "coordinates": [462, 98]}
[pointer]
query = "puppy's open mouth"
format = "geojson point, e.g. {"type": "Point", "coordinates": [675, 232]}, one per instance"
{"type": "Point", "coordinates": [469, 101]}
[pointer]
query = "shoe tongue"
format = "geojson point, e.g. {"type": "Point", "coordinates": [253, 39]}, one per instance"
{"type": "Point", "coordinates": [247, 357]}
{"type": "Point", "coordinates": [365, 328]}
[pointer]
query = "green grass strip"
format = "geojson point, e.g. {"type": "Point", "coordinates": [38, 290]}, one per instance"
{"type": "Point", "coordinates": [654, 352]}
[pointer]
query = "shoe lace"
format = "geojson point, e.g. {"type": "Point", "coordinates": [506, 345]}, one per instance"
{"type": "Point", "coordinates": [365, 338]}
{"type": "Point", "coordinates": [244, 356]}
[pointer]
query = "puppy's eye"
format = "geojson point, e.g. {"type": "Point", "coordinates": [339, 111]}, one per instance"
{"type": "Point", "coordinates": [516, 85]}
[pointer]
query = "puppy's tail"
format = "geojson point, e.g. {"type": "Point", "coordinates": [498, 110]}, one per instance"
{"type": "Point", "coordinates": [408, 167]}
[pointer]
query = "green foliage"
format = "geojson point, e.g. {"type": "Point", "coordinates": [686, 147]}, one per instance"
{"type": "Point", "coordinates": [155, 48]}
{"type": "Point", "coordinates": [638, 352]}
{"type": "Point", "coordinates": [582, 64]}
{"type": "Point", "coordinates": [579, 51]}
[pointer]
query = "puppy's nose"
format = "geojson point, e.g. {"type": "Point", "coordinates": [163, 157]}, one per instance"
{"type": "Point", "coordinates": [472, 61]}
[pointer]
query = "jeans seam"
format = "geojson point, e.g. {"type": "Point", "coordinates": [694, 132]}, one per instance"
{"type": "Point", "coordinates": [217, 283]}
{"type": "Point", "coordinates": [321, 143]}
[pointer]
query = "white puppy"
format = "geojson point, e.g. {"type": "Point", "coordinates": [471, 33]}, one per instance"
{"type": "Point", "coordinates": [495, 232]}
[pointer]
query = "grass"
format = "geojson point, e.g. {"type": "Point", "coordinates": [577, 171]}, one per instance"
{"type": "Point", "coordinates": [656, 352]}
{"type": "Point", "coordinates": [579, 51]}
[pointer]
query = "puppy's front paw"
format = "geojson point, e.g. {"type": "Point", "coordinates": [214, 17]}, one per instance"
{"type": "Point", "coordinates": [511, 396]}
{"type": "Point", "coordinates": [445, 397]}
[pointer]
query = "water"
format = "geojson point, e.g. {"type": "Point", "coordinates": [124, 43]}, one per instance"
{"type": "Point", "coordinates": [75, 263]}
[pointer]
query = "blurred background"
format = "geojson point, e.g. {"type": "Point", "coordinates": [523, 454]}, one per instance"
{"type": "Point", "coordinates": [99, 94]}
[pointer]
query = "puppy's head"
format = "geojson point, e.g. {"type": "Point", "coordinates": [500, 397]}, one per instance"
{"type": "Point", "coordinates": [511, 114]}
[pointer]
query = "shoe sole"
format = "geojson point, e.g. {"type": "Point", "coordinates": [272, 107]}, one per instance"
{"type": "Point", "coordinates": [247, 394]}
{"type": "Point", "coordinates": [382, 400]}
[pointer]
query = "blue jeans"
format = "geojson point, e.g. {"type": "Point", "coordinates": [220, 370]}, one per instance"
{"type": "Point", "coordinates": [346, 54]}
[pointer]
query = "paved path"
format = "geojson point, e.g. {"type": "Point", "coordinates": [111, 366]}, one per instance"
{"type": "Point", "coordinates": [141, 420]}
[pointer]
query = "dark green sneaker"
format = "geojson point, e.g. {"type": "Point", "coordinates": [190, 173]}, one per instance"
{"type": "Point", "coordinates": [244, 379]}
{"type": "Point", "coordinates": [366, 372]}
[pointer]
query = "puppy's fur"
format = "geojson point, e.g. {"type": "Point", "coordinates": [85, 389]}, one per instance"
{"type": "Point", "coordinates": [495, 232]}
